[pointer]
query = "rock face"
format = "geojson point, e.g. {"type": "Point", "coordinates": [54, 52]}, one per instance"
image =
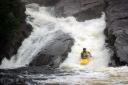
{"type": "Point", "coordinates": [42, 2]}
{"type": "Point", "coordinates": [13, 28]}
{"type": "Point", "coordinates": [55, 52]}
{"type": "Point", "coordinates": [117, 30]}
{"type": "Point", "coordinates": [81, 9]}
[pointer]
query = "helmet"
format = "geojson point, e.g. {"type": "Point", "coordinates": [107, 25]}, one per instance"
{"type": "Point", "coordinates": [84, 48]}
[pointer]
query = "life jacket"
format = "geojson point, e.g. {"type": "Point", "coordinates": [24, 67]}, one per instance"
{"type": "Point", "coordinates": [85, 54]}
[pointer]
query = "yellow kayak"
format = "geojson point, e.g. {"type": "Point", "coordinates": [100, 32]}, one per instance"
{"type": "Point", "coordinates": [84, 61]}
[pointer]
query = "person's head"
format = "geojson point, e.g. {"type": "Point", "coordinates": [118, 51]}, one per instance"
{"type": "Point", "coordinates": [84, 49]}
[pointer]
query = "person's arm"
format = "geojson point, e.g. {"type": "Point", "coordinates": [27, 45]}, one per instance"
{"type": "Point", "coordinates": [89, 54]}
{"type": "Point", "coordinates": [81, 55]}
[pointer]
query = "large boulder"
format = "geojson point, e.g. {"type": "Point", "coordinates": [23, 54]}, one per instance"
{"type": "Point", "coordinates": [13, 28]}
{"type": "Point", "coordinates": [54, 52]}
{"type": "Point", "coordinates": [117, 30]}
{"type": "Point", "coordinates": [81, 9]}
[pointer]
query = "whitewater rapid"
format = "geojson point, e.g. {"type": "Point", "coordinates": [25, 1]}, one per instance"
{"type": "Point", "coordinates": [88, 34]}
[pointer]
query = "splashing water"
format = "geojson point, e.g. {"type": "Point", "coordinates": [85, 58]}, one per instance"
{"type": "Point", "coordinates": [88, 34]}
{"type": "Point", "coordinates": [108, 76]}
{"type": "Point", "coordinates": [43, 33]}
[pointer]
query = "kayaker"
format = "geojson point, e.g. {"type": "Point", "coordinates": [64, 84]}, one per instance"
{"type": "Point", "coordinates": [85, 54]}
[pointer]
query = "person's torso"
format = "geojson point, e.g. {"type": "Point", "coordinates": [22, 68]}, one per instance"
{"type": "Point", "coordinates": [85, 54]}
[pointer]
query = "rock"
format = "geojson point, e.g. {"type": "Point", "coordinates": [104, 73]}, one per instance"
{"type": "Point", "coordinates": [11, 79]}
{"type": "Point", "coordinates": [54, 52]}
{"type": "Point", "coordinates": [81, 9]}
{"type": "Point", "coordinates": [42, 2]}
{"type": "Point", "coordinates": [117, 30]}
{"type": "Point", "coordinates": [44, 69]}
{"type": "Point", "coordinates": [26, 75]}
{"type": "Point", "coordinates": [13, 28]}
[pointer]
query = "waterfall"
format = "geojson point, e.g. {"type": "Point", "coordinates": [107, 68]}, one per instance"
{"type": "Point", "coordinates": [88, 34]}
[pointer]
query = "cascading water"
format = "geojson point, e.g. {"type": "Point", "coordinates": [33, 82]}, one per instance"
{"type": "Point", "coordinates": [43, 33]}
{"type": "Point", "coordinates": [87, 34]}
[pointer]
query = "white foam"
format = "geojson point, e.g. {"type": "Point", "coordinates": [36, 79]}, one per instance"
{"type": "Point", "coordinates": [88, 34]}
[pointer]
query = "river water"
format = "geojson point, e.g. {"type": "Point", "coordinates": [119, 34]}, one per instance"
{"type": "Point", "coordinates": [89, 34]}
{"type": "Point", "coordinates": [104, 76]}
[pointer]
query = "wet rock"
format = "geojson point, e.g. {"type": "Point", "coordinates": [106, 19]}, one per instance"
{"type": "Point", "coordinates": [13, 28]}
{"type": "Point", "coordinates": [42, 2]}
{"type": "Point", "coordinates": [44, 69]}
{"type": "Point", "coordinates": [11, 79]}
{"type": "Point", "coordinates": [26, 75]}
{"type": "Point", "coordinates": [81, 9]}
{"type": "Point", "coordinates": [117, 30]}
{"type": "Point", "coordinates": [54, 52]}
